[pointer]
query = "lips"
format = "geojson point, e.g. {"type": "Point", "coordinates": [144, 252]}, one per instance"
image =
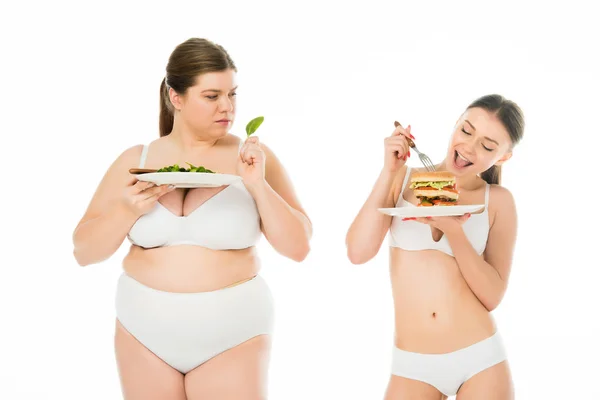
{"type": "Point", "coordinates": [223, 120]}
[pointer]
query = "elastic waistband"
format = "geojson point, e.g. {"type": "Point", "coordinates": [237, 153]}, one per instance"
{"type": "Point", "coordinates": [495, 340]}
{"type": "Point", "coordinates": [127, 281]}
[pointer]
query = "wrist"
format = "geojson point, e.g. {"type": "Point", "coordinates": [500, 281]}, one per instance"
{"type": "Point", "coordinates": [124, 212]}
{"type": "Point", "coordinates": [453, 230]}
{"type": "Point", "coordinates": [387, 174]}
{"type": "Point", "coordinates": [256, 187]}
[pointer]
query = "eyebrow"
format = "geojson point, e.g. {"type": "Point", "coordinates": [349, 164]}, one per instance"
{"type": "Point", "coordinates": [217, 90]}
{"type": "Point", "coordinates": [485, 137]}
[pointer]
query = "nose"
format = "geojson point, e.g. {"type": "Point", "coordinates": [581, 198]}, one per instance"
{"type": "Point", "coordinates": [470, 145]}
{"type": "Point", "coordinates": [226, 104]}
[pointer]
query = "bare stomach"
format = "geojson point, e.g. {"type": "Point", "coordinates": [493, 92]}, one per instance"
{"type": "Point", "coordinates": [435, 310]}
{"type": "Point", "coordinates": [190, 269]}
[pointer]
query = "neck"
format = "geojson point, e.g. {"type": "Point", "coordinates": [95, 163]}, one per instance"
{"type": "Point", "coordinates": [467, 182]}
{"type": "Point", "coordinates": [186, 139]}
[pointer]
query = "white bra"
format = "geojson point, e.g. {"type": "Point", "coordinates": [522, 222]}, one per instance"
{"type": "Point", "coordinates": [415, 236]}
{"type": "Point", "coordinates": [228, 220]}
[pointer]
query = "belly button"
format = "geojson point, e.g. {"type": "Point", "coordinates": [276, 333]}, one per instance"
{"type": "Point", "coordinates": [433, 315]}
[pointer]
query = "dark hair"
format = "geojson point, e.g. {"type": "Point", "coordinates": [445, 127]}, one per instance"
{"type": "Point", "coordinates": [189, 59]}
{"type": "Point", "coordinates": [511, 116]}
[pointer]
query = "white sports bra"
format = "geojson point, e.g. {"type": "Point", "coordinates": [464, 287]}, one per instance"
{"type": "Point", "coordinates": [414, 236]}
{"type": "Point", "coordinates": [228, 220]}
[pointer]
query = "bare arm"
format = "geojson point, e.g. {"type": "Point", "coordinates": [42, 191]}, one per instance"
{"type": "Point", "coordinates": [487, 275]}
{"type": "Point", "coordinates": [106, 221]}
{"type": "Point", "coordinates": [283, 220]}
{"type": "Point", "coordinates": [368, 230]}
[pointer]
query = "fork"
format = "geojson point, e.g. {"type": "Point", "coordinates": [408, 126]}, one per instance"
{"type": "Point", "coordinates": [422, 156]}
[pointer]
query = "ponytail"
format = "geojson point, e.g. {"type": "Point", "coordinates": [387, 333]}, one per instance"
{"type": "Point", "coordinates": [492, 175]}
{"type": "Point", "coordinates": [165, 119]}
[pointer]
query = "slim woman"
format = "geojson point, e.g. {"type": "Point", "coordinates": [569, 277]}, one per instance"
{"type": "Point", "coordinates": [448, 273]}
{"type": "Point", "coordinates": [194, 316]}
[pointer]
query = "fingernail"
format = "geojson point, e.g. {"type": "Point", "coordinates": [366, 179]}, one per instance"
{"type": "Point", "coordinates": [409, 153]}
{"type": "Point", "coordinates": [411, 136]}
{"type": "Point", "coordinates": [428, 217]}
{"type": "Point", "coordinates": [468, 215]}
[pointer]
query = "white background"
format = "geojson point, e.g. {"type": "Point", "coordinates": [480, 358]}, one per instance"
{"type": "Point", "coordinates": [81, 82]}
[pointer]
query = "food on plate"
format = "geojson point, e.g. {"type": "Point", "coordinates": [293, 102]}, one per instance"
{"type": "Point", "coordinates": [192, 168]}
{"type": "Point", "coordinates": [434, 188]}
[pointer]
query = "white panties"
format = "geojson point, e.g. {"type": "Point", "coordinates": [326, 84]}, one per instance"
{"type": "Point", "coordinates": [447, 372]}
{"type": "Point", "coordinates": [187, 329]}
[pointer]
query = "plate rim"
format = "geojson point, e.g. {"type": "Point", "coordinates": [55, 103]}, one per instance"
{"type": "Point", "coordinates": [472, 207]}
{"type": "Point", "coordinates": [204, 179]}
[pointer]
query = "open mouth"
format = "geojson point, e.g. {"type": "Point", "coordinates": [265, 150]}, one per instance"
{"type": "Point", "coordinates": [460, 161]}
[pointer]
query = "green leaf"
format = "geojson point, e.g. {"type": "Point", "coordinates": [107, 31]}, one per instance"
{"type": "Point", "coordinates": [253, 125]}
{"type": "Point", "coordinates": [177, 168]}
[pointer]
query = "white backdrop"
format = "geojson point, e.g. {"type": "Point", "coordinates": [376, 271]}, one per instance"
{"type": "Point", "coordinates": [81, 84]}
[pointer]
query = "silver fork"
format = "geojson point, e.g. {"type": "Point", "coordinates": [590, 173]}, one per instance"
{"type": "Point", "coordinates": [422, 156]}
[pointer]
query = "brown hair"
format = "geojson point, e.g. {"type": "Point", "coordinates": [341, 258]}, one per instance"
{"type": "Point", "coordinates": [511, 116]}
{"type": "Point", "coordinates": [189, 59]}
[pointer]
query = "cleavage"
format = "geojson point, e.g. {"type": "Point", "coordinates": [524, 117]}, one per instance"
{"type": "Point", "coordinates": [183, 202]}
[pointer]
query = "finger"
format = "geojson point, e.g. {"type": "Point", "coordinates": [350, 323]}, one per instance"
{"type": "Point", "coordinates": [252, 156]}
{"type": "Point", "coordinates": [252, 139]}
{"type": "Point", "coordinates": [400, 130]}
{"type": "Point", "coordinates": [133, 179]}
{"type": "Point", "coordinates": [153, 198]}
{"type": "Point", "coordinates": [252, 153]}
{"type": "Point", "coordinates": [140, 186]}
{"type": "Point", "coordinates": [424, 220]}
{"type": "Point", "coordinates": [396, 142]}
{"type": "Point", "coordinates": [243, 151]}
{"type": "Point", "coordinates": [397, 139]}
{"type": "Point", "coordinates": [401, 150]}
{"type": "Point", "coordinates": [158, 190]}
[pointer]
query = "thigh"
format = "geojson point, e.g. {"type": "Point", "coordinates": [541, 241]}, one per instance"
{"type": "Point", "coordinates": [401, 388]}
{"type": "Point", "coordinates": [143, 375]}
{"type": "Point", "coordinates": [494, 383]}
{"type": "Point", "coordinates": [239, 373]}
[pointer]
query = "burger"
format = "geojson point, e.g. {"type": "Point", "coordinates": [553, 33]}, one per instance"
{"type": "Point", "coordinates": [434, 188]}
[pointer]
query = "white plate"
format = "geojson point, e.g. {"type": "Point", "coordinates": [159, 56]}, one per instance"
{"type": "Point", "coordinates": [189, 179]}
{"type": "Point", "coordinates": [433, 211]}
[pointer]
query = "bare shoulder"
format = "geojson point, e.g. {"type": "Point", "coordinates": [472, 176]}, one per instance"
{"type": "Point", "coordinates": [502, 202]}
{"type": "Point", "coordinates": [501, 195]}
{"type": "Point", "coordinates": [131, 155]}
{"type": "Point", "coordinates": [273, 166]}
{"type": "Point", "coordinates": [268, 151]}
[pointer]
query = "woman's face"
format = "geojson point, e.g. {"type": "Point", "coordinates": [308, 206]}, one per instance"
{"type": "Point", "coordinates": [209, 105]}
{"type": "Point", "coordinates": [479, 141]}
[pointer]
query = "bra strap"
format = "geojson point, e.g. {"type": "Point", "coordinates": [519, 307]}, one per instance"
{"type": "Point", "coordinates": [143, 157]}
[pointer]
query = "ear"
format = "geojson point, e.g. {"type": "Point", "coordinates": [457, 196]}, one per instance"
{"type": "Point", "coordinates": [176, 99]}
{"type": "Point", "coordinates": [504, 158]}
